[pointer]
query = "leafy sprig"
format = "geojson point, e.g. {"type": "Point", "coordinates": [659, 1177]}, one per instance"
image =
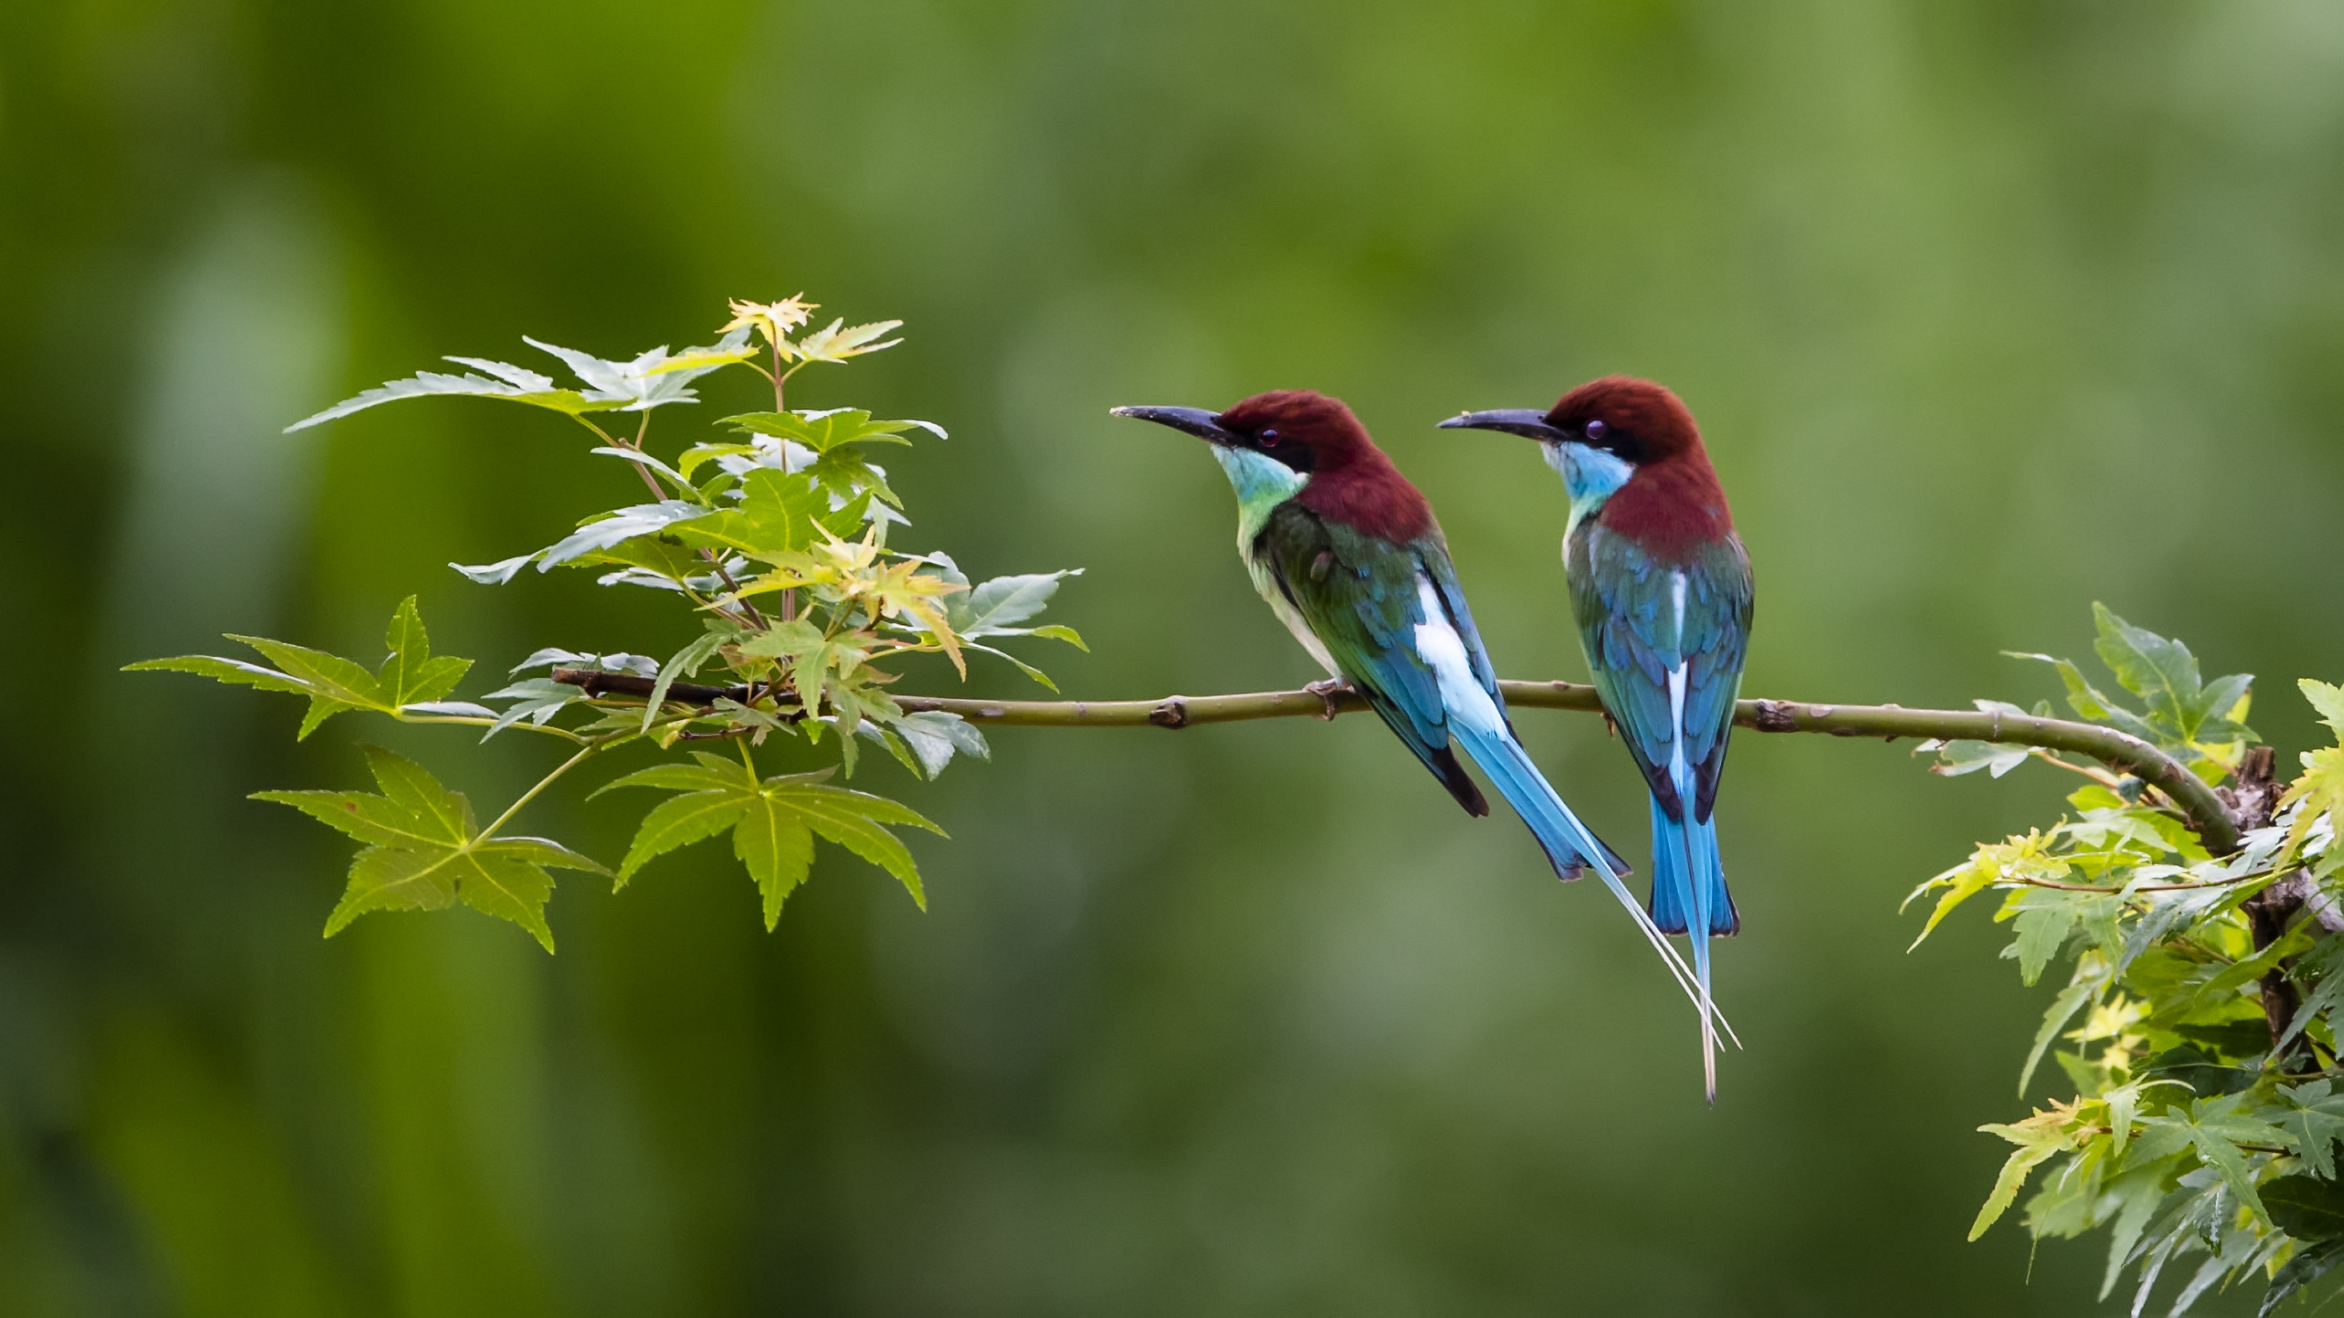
{"type": "Point", "coordinates": [774, 537]}
{"type": "Point", "coordinates": [408, 683]}
{"type": "Point", "coordinates": [773, 821]}
{"type": "Point", "coordinates": [2198, 1128]}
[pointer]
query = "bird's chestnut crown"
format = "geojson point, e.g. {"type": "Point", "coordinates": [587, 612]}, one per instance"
{"type": "Point", "coordinates": [1637, 420]}
{"type": "Point", "coordinates": [1301, 428]}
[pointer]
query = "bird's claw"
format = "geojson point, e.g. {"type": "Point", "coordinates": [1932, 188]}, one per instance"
{"type": "Point", "coordinates": [1329, 690]}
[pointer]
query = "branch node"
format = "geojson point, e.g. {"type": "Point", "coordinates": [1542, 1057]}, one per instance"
{"type": "Point", "coordinates": [1776, 716]}
{"type": "Point", "coordinates": [1171, 712]}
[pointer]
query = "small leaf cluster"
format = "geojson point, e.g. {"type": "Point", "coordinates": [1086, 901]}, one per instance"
{"type": "Point", "coordinates": [2200, 1132]}
{"type": "Point", "coordinates": [772, 536]}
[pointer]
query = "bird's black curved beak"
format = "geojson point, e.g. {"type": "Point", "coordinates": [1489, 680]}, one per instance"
{"type": "Point", "coordinates": [1512, 420]}
{"type": "Point", "coordinates": [1195, 420]}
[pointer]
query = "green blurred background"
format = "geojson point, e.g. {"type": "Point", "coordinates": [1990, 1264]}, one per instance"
{"type": "Point", "coordinates": [1988, 310]}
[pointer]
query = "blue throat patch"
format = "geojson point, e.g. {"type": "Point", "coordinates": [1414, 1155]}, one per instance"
{"type": "Point", "coordinates": [1262, 483]}
{"type": "Point", "coordinates": [1590, 476]}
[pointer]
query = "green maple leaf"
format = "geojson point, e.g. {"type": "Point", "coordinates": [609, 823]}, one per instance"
{"type": "Point", "coordinates": [424, 851]}
{"type": "Point", "coordinates": [410, 676]}
{"type": "Point", "coordinates": [778, 515]}
{"type": "Point", "coordinates": [774, 822]}
{"type": "Point", "coordinates": [2312, 1118]}
{"type": "Point", "coordinates": [826, 430]}
{"type": "Point", "coordinates": [2214, 1130]}
{"type": "Point", "coordinates": [652, 379]}
{"type": "Point", "coordinates": [2183, 710]}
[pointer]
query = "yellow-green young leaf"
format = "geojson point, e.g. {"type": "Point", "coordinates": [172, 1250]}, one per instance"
{"type": "Point", "coordinates": [2039, 1137]}
{"type": "Point", "coordinates": [2328, 700]}
{"type": "Point", "coordinates": [1992, 862]}
{"type": "Point", "coordinates": [2320, 790]}
{"type": "Point", "coordinates": [833, 344]}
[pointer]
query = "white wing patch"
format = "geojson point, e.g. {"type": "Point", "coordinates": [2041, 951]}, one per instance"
{"type": "Point", "coordinates": [1676, 693]}
{"type": "Point", "coordinates": [1676, 723]}
{"type": "Point", "coordinates": [1439, 645]}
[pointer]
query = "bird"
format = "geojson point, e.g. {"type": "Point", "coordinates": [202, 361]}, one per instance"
{"type": "Point", "coordinates": [1662, 592]}
{"type": "Point", "coordinates": [1347, 554]}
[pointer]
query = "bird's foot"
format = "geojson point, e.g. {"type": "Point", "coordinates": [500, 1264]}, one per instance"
{"type": "Point", "coordinates": [1329, 690]}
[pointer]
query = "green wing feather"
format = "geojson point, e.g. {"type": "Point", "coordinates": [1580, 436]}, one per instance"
{"type": "Point", "coordinates": [1358, 595]}
{"type": "Point", "coordinates": [1622, 598]}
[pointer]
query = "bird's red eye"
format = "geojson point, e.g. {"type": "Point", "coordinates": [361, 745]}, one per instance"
{"type": "Point", "coordinates": [1269, 438]}
{"type": "Point", "coordinates": [1595, 429]}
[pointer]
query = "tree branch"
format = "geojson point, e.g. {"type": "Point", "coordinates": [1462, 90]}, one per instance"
{"type": "Point", "coordinates": [2199, 805]}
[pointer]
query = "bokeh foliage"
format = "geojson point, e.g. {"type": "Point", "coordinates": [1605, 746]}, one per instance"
{"type": "Point", "coordinates": [1988, 311]}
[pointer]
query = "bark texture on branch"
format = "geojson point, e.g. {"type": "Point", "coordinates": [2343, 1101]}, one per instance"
{"type": "Point", "coordinates": [2252, 797]}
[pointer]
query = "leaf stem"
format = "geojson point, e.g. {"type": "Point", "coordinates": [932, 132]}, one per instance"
{"type": "Point", "coordinates": [2100, 776]}
{"type": "Point", "coordinates": [472, 721]}
{"type": "Point", "coordinates": [590, 749]}
{"type": "Point", "coordinates": [614, 442]}
{"type": "Point", "coordinates": [715, 559]}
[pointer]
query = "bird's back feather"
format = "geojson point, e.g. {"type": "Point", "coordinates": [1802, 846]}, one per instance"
{"type": "Point", "coordinates": [1356, 595]}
